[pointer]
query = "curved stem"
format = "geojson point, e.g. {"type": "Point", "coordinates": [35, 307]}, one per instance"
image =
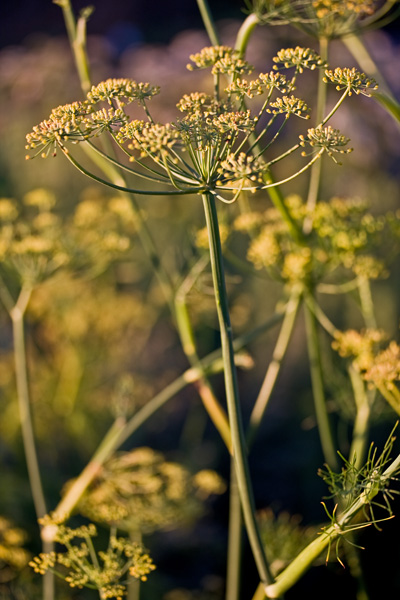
{"type": "Point", "coordinates": [244, 33]}
{"type": "Point", "coordinates": [274, 366]}
{"type": "Point", "coordinates": [232, 391]}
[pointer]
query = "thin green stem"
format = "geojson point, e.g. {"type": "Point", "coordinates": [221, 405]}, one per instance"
{"type": "Point", "coordinates": [215, 411]}
{"type": "Point", "coordinates": [366, 301]}
{"type": "Point", "coordinates": [17, 317]}
{"type": "Point", "coordinates": [274, 366]}
{"type": "Point", "coordinates": [314, 353]}
{"type": "Point", "coordinates": [235, 535]}
{"type": "Point", "coordinates": [208, 22]}
{"type": "Point", "coordinates": [232, 391]}
{"type": "Point", "coordinates": [17, 314]}
{"type": "Point", "coordinates": [359, 439]}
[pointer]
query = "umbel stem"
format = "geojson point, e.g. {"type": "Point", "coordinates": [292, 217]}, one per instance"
{"type": "Point", "coordinates": [232, 390]}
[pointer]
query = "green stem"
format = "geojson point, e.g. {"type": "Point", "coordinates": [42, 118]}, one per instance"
{"type": "Point", "coordinates": [17, 317]}
{"type": "Point", "coordinates": [17, 314]}
{"type": "Point", "coordinates": [235, 531]}
{"type": "Point", "coordinates": [232, 392]}
{"type": "Point", "coordinates": [245, 32]}
{"type": "Point", "coordinates": [367, 304]}
{"type": "Point", "coordinates": [274, 366]}
{"type": "Point", "coordinates": [77, 36]}
{"type": "Point", "coordinates": [208, 22]}
{"type": "Point", "coordinates": [361, 423]}
{"type": "Point", "coordinates": [314, 354]}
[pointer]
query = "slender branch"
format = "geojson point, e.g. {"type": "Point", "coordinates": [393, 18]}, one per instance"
{"type": "Point", "coordinates": [208, 21]}
{"type": "Point", "coordinates": [314, 354]}
{"type": "Point", "coordinates": [274, 366]}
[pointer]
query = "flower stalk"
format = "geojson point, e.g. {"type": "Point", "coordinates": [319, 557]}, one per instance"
{"type": "Point", "coordinates": [232, 390]}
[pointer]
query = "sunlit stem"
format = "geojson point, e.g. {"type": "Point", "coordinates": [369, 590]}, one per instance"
{"type": "Point", "coordinates": [314, 353]}
{"type": "Point", "coordinates": [17, 314]}
{"type": "Point", "coordinates": [367, 304]}
{"type": "Point", "coordinates": [304, 560]}
{"type": "Point", "coordinates": [361, 422]}
{"type": "Point", "coordinates": [214, 409]}
{"type": "Point", "coordinates": [157, 176]}
{"type": "Point", "coordinates": [232, 391]}
{"type": "Point", "coordinates": [274, 366]}
{"type": "Point", "coordinates": [245, 32]}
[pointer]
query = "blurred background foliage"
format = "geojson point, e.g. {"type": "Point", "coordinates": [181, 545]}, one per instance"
{"type": "Point", "coordinates": [100, 338]}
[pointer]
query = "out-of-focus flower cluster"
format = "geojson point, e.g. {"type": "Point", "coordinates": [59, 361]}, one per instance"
{"type": "Point", "coordinates": [284, 536]}
{"type": "Point", "coordinates": [321, 18]}
{"type": "Point", "coordinates": [141, 491]}
{"type": "Point", "coordinates": [344, 235]}
{"type": "Point", "coordinates": [35, 242]}
{"type": "Point", "coordinates": [380, 368]}
{"type": "Point", "coordinates": [13, 556]}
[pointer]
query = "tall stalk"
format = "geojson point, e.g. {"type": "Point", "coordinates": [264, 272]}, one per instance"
{"type": "Point", "coordinates": [17, 312]}
{"type": "Point", "coordinates": [232, 390]}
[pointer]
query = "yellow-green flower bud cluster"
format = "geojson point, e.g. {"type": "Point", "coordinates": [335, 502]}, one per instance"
{"type": "Point", "coordinates": [289, 106]}
{"type": "Point", "coordinates": [351, 80]}
{"type": "Point", "coordinates": [221, 59]}
{"type": "Point", "coordinates": [326, 138]}
{"type": "Point", "coordinates": [299, 58]}
{"type": "Point", "coordinates": [342, 238]}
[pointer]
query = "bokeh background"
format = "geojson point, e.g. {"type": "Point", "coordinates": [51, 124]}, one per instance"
{"type": "Point", "coordinates": [85, 337]}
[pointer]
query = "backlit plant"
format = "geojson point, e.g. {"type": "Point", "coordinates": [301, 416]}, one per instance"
{"type": "Point", "coordinates": [236, 141]}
